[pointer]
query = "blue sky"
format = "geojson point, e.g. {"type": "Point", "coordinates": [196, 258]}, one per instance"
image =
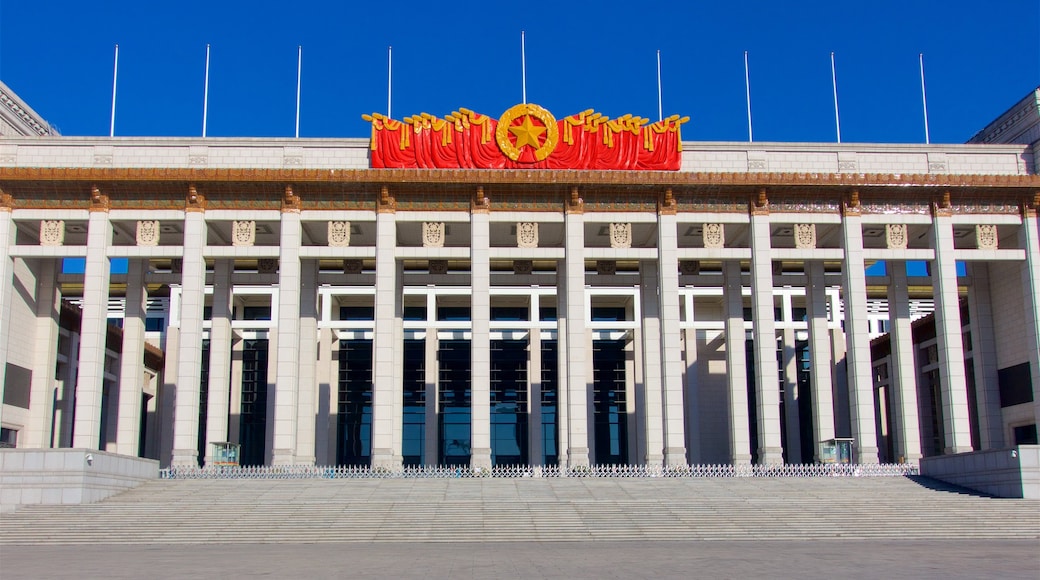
{"type": "Point", "coordinates": [980, 58]}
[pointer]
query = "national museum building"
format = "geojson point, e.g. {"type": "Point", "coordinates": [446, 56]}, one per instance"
{"type": "Point", "coordinates": [518, 289]}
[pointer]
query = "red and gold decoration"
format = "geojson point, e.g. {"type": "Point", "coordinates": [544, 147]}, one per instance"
{"type": "Point", "coordinates": [526, 137]}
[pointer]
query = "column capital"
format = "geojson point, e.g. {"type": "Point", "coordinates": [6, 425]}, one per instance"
{"type": "Point", "coordinates": [480, 202]}
{"type": "Point", "coordinates": [195, 201]}
{"type": "Point", "coordinates": [6, 201]}
{"type": "Point", "coordinates": [851, 205]}
{"type": "Point", "coordinates": [574, 203]}
{"type": "Point", "coordinates": [1030, 207]}
{"type": "Point", "coordinates": [386, 202]}
{"type": "Point", "coordinates": [291, 203]}
{"type": "Point", "coordinates": [943, 207]}
{"type": "Point", "coordinates": [666, 205]}
{"type": "Point", "coordinates": [760, 203]}
{"type": "Point", "coordinates": [98, 201]}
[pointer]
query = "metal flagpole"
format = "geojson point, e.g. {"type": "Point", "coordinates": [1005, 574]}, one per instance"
{"type": "Point", "coordinates": [115, 73]}
{"type": "Point", "coordinates": [299, 69]}
{"type": "Point", "coordinates": [924, 101]}
{"type": "Point", "coordinates": [747, 90]}
{"type": "Point", "coordinates": [205, 95]}
{"type": "Point", "coordinates": [389, 78]}
{"type": "Point", "coordinates": [834, 83]}
{"type": "Point", "coordinates": [660, 109]}
{"type": "Point", "coordinates": [523, 65]}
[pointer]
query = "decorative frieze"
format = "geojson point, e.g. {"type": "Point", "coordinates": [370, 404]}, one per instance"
{"type": "Point", "coordinates": [243, 233]}
{"type": "Point", "coordinates": [606, 267]}
{"type": "Point", "coordinates": [523, 267]}
{"type": "Point", "coordinates": [714, 235]}
{"type": "Point", "coordinates": [895, 236]}
{"type": "Point", "coordinates": [52, 232]}
{"type": "Point", "coordinates": [438, 267]}
{"type": "Point", "coordinates": [805, 236]}
{"type": "Point", "coordinates": [339, 234]}
{"type": "Point", "coordinates": [267, 265]}
{"type": "Point", "coordinates": [433, 234]}
{"type": "Point", "coordinates": [986, 237]}
{"type": "Point", "coordinates": [352, 266]}
{"type": "Point", "coordinates": [621, 235]}
{"type": "Point", "coordinates": [148, 233]}
{"type": "Point", "coordinates": [689, 267]}
{"type": "Point", "coordinates": [527, 234]}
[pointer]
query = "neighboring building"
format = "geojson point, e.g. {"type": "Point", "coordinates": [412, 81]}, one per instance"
{"type": "Point", "coordinates": [348, 301]}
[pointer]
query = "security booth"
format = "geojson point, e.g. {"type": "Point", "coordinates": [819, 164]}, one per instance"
{"type": "Point", "coordinates": [225, 453]}
{"type": "Point", "coordinates": [837, 450]}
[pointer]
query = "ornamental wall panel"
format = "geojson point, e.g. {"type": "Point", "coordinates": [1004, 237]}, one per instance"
{"type": "Point", "coordinates": [527, 235]}
{"type": "Point", "coordinates": [52, 232]}
{"type": "Point", "coordinates": [339, 234]}
{"type": "Point", "coordinates": [606, 267]}
{"type": "Point", "coordinates": [148, 233]}
{"type": "Point", "coordinates": [438, 267]}
{"type": "Point", "coordinates": [523, 267]}
{"type": "Point", "coordinates": [243, 233]}
{"type": "Point", "coordinates": [714, 235]}
{"type": "Point", "coordinates": [805, 236]}
{"type": "Point", "coordinates": [621, 235]}
{"type": "Point", "coordinates": [352, 266]}
{"type": "Point", "coordinates": [986, 237]}
{"type": "Point", "coordinates": [896, 237]}
{"type": "Point", "coordinates": [433, 234]}
{"type": "Point", "coordinates": [267, 265]}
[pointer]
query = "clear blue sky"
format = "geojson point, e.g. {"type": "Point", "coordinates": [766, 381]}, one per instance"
{"type": "Point", "coordinates": [980, 58]}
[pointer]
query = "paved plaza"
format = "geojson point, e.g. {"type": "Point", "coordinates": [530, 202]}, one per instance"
{"type": "Point", "coordinates": [570, 560]}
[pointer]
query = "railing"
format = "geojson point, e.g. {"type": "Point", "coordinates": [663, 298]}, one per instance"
{"type": "Point", "coordinates": [526, 471]}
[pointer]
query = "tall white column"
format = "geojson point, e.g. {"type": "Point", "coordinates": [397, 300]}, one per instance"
{"type": "Point", "coordinates": [767, 375]}
{"type": "Point", "coordinates": [736, 366]}
{"type": "Point", "coordinates": [41, 394]}
{"type": "Point", "coordinates": [324, 442]}
{"type": "Point", "coordinates": [904, 371]}
{"type": "Point", "coordinates": [131, 372]}
{"type": "Point", "coordinates": [308, 386]}
{"type": "Point", "coordinates": [432, 410]}
{"type": "Point", "coordinates": [953, 385]}
{"type": "Point", "coordinates": [534, 391]}
{"type": "Point", "coordinates": [563, 395]}
{"type": "Point", "coordinates": [791, 395]}
{"type": "Point", "coordinates": [692, 398]}
{"type": "Point", "coordinates": [653, 385]}
{"type": "Point", "coordinates": [984, 355]}
{"type": "Point", "coordinates": [671, 354]}
{"type": "Point", "coordinates": [480, 345]}
{"type": "Point", "coordinates": [384, 348]}
{"type": "Point", "coordinates": [857, 333]}
{"type": "Point", "coordinates": [578, 353]}
{"type": "Point", "coordinates": [93, 333]}
{"type": "Point", "coordinates": [189, 353]}
{"type": "Point", "coordinates": [7, 239]}
{"type": "Point", "coordinates": [219, 387]}
{"type": "Point", "coordinates": [234, 432]}
{"type": "Point", "coordinates": [1029, 239]}
{"type": "Point", "coordinates": [819, 356]}
{"type": "Point", "coordinates": [287, 383]}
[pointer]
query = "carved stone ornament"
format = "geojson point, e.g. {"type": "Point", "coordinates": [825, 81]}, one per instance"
{"type": "Point", "coordinates": [621, 235]}
{"type": "Point", "coordinates": [895, 236]}
{"type": "Point", "coordinates": [267, 265]}
{"type": "Point", "coordinates": [148, 233]}
{"type": "Point", "coordinates": [606, 267]}
{"type": "Point", "coordinates": [527, 234]}
{"type": "Point", "coordinates": [805, 236]}
{"type": "Point", "coordinates": [689, 267]}
{"type": "Point", "coordinates": [986, 237]}
{"type": "Point", "coordinates": [352, 266]}
{"type": "Point", "coordinates": [52, 232]}
{"type": "Point", "coordinates": [243, 233]}
{"type": "Point", "coordinates": [714, 235]}
{"type": "Point", "coordinates": [438, 267]}
{"type": "Point", "coordinates": [339, 234]}
{"type": "Point", "coordinates": [433, 234]}
{"type": "Point", "coordinates": [523, 266]}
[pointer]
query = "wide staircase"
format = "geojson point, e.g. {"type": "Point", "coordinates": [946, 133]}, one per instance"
{"type": "Point", "coordinates": [526, 509]}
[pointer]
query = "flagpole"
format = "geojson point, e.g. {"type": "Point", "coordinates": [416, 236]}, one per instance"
{"type": "Point", "coordinates": [299, 69]}
{"type": "Point", "coordinates": [747, 91]}
{"type": "Point", "coordinates": [834, 83]}
{"type": "Point", "coordinates": [389, 78]}
{"type": "Point", "coordinates": [660, 109]}
{"type": "Point", "coordinates": [523, 65]}
{"type": "Point", "coordinates": [205, 96]}
{"type": "Point", "coordinates": [924, 101]}
{"type": "Point", "coordinates": [115, 74]}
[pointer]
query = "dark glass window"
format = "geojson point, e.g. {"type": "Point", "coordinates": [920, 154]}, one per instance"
{"type": "Point", "coordinates": [256, 313]}
{"type": "Point", "coordinates": [453, 385]}
{"type": "Point", "coordinates": [509, 313]}
{"type": "Point", "coordinates": [415, 313]}
{"type": "Point", "coordinates": [547, 314]}
{"type": "Point", "coordinates": [413, 441]}
{"type": "Point", "coordinates": [253, 419]}
{"type": "Point", "coordinates": [453, 313]}
{"type": "Point", "coordinates": [608, 314]}
{"type": "Point", "coordinates": [609, 402]}
{"type": "Point", "coordinates": [357, 313]}
{"type": "Point", "coordinates": [355, 403]}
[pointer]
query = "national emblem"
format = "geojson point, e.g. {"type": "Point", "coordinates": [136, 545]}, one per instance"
{"type": "Point", "coordinates": [527, 133]}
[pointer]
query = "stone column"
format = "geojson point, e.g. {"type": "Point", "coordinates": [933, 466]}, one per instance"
{"type": "Point", "coordinates": [534, 390]}
{"type": "Point", "coordinates": [1029, 239]}
{"type": "Point", "coordinates": [563, 396]}
{"type": "Point", "coordinates": [384, 348]}
{"type": "Point", "coordinates": [736, 366]}
{"type": "Point", "coordinates": [579, 353]}
{"type": "Point", "coordinates": [432, 410]}
{"type": "Point", "coordinates": [131, 373]}
{"type": "Point", "coordinates": [324, 442]}
{"type": "Point", "coordinates": [692, 398]}
{"type": "Point", "coordinates": [41, 396]}
{"type": "Point", "coordinates": [287, 383]}
{"type": "Point", "coordinates": [791, 395]}
{"type": "Point", "coordinates": [953, 385]}
{"type": "Point", "coordinates": [189, 354]}
{"type": "Point", "coordinates": [671, 354]}
{"type": "Point", "coordinates": [903, 373]}
{"type": "Point", "coordinates": [984, 355]}
{"type": "Point", "coordinates": [234, 431]}
{"type": "Point", "coordinates": [219, 388]}
{"type": "Point", "coordinates": [767, 375]}
{"type": "Point", "coordinates": [308, 362]}
{"type": "Point", "coordinates": [653, 386]}
{"type": "Point", "coordinates": [93, 331]}
{"type": "Point", "coordinates": [7, 239]}
{"type": "Point", "coordinates": [480, 345]}
{"type": "Point", "coordinates": [857, 333]}
{"type": "Point", "coordinates": [819, 356]}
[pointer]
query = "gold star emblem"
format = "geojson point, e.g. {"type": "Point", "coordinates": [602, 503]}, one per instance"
{"type": "Point", "coordinates": [527, 133]}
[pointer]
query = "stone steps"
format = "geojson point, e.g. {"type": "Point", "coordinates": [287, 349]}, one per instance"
{"type": "Point", "coordinates": [328, 511]}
